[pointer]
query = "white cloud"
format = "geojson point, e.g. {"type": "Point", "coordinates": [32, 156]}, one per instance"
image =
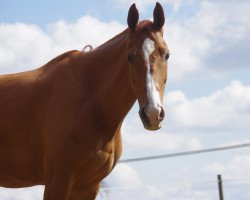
{"type": "Point", "coordinates": [122, 175]}
{"type": "Point", "coordinates": [158, 141]}
{"type": "Point", "coordinates": [32, 193]}
{"type": "Point", "coordinates": [24, 47]}
{"type": "Point", "coordinates": [226, 109]}
{"type": "Point", "coordinates": [185, 48]}
{"type": "Point", "coordinates": [227, 31]}
{"type": "Point", "coordinates": [235, 176]}
{"type": "Point", "coordinates": [124, 183]}
{"type": "Point", "coordinates": [86, 30]}
{"type": "Point", "coordinates": [213, 39]}
{"type": "Point", "coordinates": [236, 170]}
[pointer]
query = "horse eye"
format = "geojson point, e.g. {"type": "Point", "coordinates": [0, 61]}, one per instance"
{"type": "Point", "coordinates": [131, 57]}
{"type": "Point", "coordinates": [167, 56]}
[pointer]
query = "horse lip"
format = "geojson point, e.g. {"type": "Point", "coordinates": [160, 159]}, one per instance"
{"type": "Point", "coordinates": [146, 123]}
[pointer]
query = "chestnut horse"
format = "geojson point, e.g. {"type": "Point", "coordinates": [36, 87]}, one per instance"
{"type": "Point", "coordinates": [60, 125]}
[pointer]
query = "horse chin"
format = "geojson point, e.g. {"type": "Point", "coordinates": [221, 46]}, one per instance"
{"type": "Point", "coordinates": [152, 128]}
{"type": "Point", "coordinates": [147, 125]}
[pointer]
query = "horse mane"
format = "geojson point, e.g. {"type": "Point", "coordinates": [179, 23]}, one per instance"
{"type": "Point", "coordinates": [60, 58]}
{"type": "Point", "coordinates": [113, 40]}
{"type": "Point", "coordinates": [145, 25]}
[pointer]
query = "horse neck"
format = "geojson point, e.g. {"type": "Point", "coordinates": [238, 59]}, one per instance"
{"type": "Point", "coordinates": [113, 93]}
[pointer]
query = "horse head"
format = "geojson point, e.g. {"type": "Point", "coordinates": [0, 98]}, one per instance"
{"type": "Point", "coordinates": [147, 55]}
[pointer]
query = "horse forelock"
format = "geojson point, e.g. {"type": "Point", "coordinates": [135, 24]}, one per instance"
{"type": "Point", "coordinates": [144, 25]}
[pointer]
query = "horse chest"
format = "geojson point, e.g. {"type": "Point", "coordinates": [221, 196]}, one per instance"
{"type": "Point", "coordinates": [100, 164]}
{"type": "Point", "coordinates": [103, 160]}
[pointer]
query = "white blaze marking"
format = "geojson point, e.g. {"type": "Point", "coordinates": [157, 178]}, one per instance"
{"type": "Point", "coordinates": [153, 95]}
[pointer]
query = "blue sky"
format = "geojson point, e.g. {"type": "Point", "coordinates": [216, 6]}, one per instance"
{"type": "Point", "coordinates": [207, 96]}
{"type": "Point", "coordinates": [45, 12]}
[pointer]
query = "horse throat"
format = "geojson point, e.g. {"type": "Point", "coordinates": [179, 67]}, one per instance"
{"type": "Point", "coordinates": [114, 93]}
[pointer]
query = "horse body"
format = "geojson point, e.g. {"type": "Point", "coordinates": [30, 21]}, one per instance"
{"type": "Point", "coordinates": [60, 125]}
{"type": "Point", "coordinates": [59, 116]}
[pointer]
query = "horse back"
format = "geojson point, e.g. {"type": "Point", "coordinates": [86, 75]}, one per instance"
{"type": "Point", "coordinates": [21, 118]}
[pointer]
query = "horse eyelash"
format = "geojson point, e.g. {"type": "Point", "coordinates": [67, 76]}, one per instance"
{"type": "Point", "coordinates": [167, 56]}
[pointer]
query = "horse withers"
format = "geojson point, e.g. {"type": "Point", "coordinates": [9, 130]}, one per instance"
{"type": "Point", "coordinates": [60, 125]}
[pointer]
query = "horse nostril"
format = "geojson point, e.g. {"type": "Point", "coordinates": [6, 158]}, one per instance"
{"type": "Point", "coordinates": [142, 112]}
{"type": "Point", "coordinates": [162, 114]}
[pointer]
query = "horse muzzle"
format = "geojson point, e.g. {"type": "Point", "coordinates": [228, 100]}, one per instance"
{"type": "Point", "coordinates": [152, 116]}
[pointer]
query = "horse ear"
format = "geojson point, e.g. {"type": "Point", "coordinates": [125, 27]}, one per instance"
{"type": "Point", "coordinates": [133, 17]}
{"type": "Point", "coordinates": [159, 17]}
